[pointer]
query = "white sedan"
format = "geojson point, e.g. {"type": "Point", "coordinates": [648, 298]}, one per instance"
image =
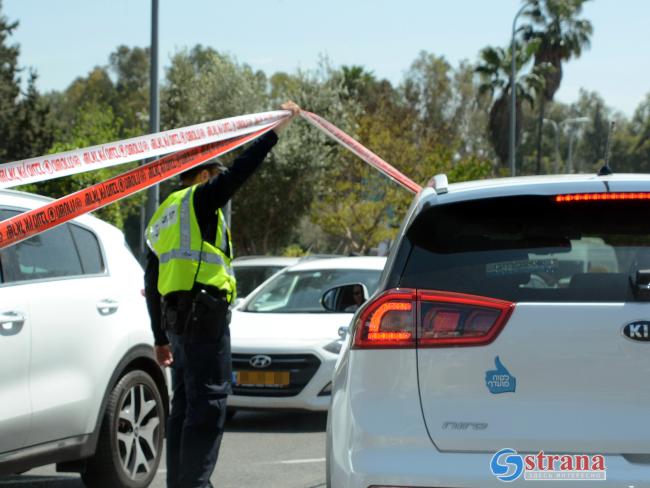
{"type": "Point", "coordinates": [285, 344]}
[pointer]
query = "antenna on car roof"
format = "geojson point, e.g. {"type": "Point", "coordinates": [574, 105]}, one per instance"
{"type": "Point", "coordinates": [606, 170]}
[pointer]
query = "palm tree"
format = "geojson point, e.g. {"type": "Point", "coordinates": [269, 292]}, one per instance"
{"type": "Point", "coordinates": [562, 35]}
{"type": "Point", "coordinates": [494, 68]}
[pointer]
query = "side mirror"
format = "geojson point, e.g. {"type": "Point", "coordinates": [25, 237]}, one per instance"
{"type": "Point", "coordinates": [344, 298]}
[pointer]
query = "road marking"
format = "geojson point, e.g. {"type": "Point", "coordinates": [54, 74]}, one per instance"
{"type": "Point", "coordinates": [39, 479]}
{"type": "Point", "coordinates": [301, 461]}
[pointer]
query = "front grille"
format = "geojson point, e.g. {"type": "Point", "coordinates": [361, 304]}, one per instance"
{"type": "Point", "coordinates": [301, 368]}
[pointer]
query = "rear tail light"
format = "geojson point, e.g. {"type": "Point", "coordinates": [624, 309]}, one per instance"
{"type": "Point", "coordinates": [388, 321]}
{"type": "Point", "coordinates": [403, 318]}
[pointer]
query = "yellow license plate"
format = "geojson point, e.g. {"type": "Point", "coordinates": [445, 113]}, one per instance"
{"type": "Point", "coordinates": [262, 378]}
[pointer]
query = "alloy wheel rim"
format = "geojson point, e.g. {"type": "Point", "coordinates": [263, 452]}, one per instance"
{"type": "Point", "coordinates": [138, 431]}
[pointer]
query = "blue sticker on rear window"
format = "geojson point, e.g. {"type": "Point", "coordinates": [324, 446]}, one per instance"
{"type": "Point", "coordinates": [500, 380]}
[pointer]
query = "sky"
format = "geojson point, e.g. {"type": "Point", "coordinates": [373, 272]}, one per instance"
{"type": "Point", "coordinates": [65, 39]}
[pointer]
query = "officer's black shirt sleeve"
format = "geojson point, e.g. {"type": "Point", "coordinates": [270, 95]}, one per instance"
{"type": "Point", "coordinates": [208, 197]}
{"type": "Point", "coordinates": [211, 196]}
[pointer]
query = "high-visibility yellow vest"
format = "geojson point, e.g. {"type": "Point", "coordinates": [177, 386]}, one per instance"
{"type": "Point", "coordinates": [184, 257]}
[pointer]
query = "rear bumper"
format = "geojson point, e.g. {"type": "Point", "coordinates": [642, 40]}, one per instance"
{"type": "Point", "coordinates": [405, 467]}
{"type": "Point", "coordinates": [377, 436]}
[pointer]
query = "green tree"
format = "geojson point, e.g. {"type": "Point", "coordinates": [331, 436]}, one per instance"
{"type": "Point", "coordinates": [269, 209]}
{"type": "Point", "coordinates": [359, 207]}
{"type": "Point", "coordinates": [32, 125]}
{"type": "Point", "coordinates": [24, 127]}
{"type": "Point", "coordinates": [561, 35]}
{"type": "Point", "coordinates": [494, 68]}
{"type": "Point", "coordinates": [96, 88]}
{"type": "Point", "coordinates": [631, 147]}
{"type": "Point", "coordinates": [131, 69]}
{"type": "Point", "coordinates": [202, 84]}
{"type": "Point", "coordinates": [428, 90]}
{"type": "Point", "coordinates": [9, 86]}
{"type": "Point", "coordinates": [95, 124]}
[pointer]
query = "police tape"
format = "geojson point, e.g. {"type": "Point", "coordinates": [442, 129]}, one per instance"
{"type": "Point", "coordinates": [134, 149]}
{"type": "Point", "coordinates": [363, 152]}
{"type": "Point", "coordinates": [57, 212]}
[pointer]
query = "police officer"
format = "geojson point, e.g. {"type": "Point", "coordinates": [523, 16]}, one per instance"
{"type": "Point", "coordinates": [189, 285]}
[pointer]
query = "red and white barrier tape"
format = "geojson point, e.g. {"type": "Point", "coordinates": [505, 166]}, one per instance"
{"type": "Point", "coordinates": [198, 143]}
{"type": "Point", "coordinates": [363, 152]}
{"type": "Point", "coordinates": [30, 223]}
{"type": "Point", "coordinates": [137, 148]}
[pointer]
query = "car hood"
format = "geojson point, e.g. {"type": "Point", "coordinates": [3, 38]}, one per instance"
{"type": "Point", "coordinates": [247, 328]}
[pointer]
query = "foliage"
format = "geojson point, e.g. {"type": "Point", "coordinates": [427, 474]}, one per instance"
{"type": "Point", "coordinates": [95, 124]}
{"type": "Point", "coordinates": [561, 35]}
{"type": "Point", "coordinates": [269, 207]}
{"type": "Point", "coordinates": [495, 69]}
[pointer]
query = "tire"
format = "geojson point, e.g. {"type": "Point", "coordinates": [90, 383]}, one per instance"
{"type": "Point", "coordinates": [131, 438]}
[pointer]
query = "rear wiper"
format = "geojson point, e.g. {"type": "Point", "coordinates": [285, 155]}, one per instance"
{"type": "Point", "coordinates": [641, 285]}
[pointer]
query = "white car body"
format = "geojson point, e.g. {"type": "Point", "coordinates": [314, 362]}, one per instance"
{"type": "Point", "coordinates": [73, 338]}
{"type": "Point", "coordinates": [432, 417]}
{"type": "Point", "coordinates": [292, 340]}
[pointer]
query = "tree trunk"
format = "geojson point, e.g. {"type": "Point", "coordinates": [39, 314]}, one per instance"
{"type": "Point", "coordinates": [540, 131]}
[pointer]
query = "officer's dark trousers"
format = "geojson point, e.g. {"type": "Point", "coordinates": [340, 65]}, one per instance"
{"type": "Point", "coordinates": [198, 412]}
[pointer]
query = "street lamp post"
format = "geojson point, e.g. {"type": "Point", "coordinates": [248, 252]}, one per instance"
{"type": "Point", "coordinates": [153, 192]}
{"type": "Point", "coordinates": [513, 95]}
{"type": "Point", "coordinates": [154, 105]}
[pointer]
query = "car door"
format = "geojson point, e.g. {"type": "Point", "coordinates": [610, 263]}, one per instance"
{"type": "Point", "coordinates": [71, 335]}
{"type": "Point", "coordinates": [15, 337]}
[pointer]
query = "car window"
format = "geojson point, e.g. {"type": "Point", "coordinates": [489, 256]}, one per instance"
{"type": "Point", "coordinates": [301, 291]}
{"type": "Point", "coordinates": [530, 248]}
{"type": "Point", "coordinates": [250, 277]}
{"type": "Point", "coordinates": [89, 251]}
{"type": "Point", "coordinates": [51, 254]}
{"type": "Point", "coordinates": [6, 264]}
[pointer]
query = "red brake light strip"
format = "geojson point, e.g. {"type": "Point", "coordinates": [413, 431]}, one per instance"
{"type": "Point", "coordinates": [599, 197]}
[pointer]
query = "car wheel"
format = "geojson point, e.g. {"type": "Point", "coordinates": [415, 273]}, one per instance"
{"type": "Point", "coordinates": [131, 436]}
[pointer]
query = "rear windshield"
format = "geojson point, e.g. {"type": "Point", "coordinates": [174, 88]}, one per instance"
{"type": "Point", "coordinates": [530, 248]}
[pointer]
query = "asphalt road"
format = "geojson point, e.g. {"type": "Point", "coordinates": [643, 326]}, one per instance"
{"type": "Point", "coordinates": [266, 449]}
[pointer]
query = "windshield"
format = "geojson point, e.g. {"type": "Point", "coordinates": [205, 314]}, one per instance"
{"type": "Point", "coordinates": [301, 291]}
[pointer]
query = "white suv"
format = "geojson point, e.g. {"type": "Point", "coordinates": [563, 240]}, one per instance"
{"type": "Point", "coordinates": [509, 340]}
{"type": "Point", "coordinates": [79, 385]}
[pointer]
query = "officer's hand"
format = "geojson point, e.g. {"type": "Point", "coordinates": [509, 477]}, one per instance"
{"type": "Point", "coordinates": [294, 109]}
{"type": "Point", "coordinates": [164, 355]}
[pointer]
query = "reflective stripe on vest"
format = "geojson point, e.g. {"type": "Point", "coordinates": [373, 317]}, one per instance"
{"type": "Point", "coordinates": [223, 242]}
{"type": "Point", "coordinates": [194, 256]}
